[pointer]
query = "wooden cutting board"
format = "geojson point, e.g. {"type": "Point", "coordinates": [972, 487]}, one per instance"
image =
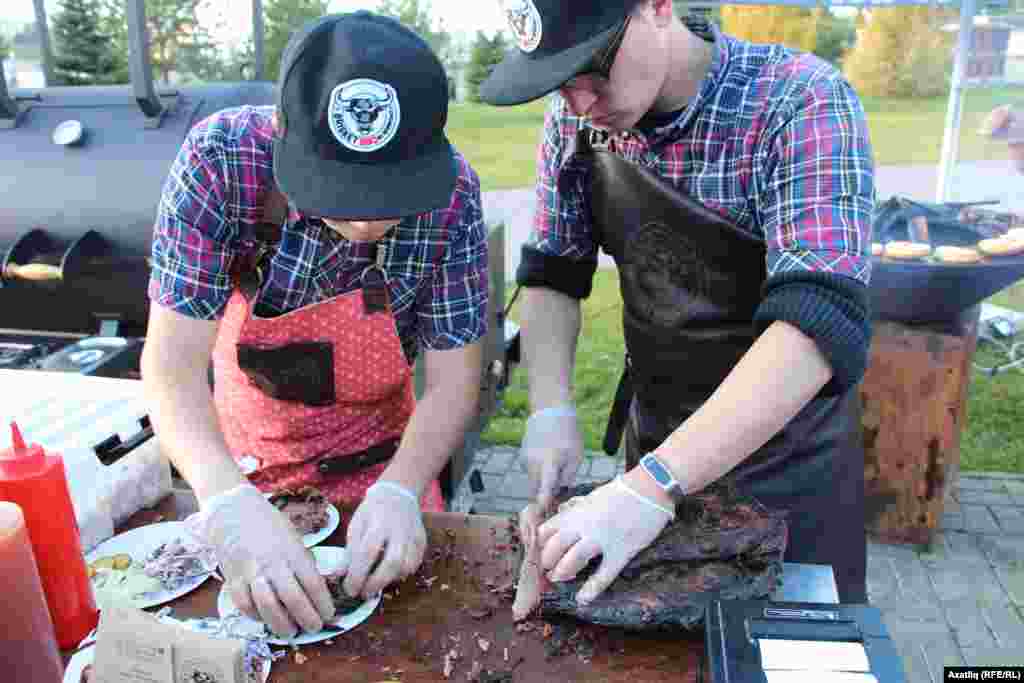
{"type": "Point", "coordinates": [457, 603]}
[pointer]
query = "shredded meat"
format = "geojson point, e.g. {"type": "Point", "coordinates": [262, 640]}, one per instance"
{"type": "Point", "coordinates": [343, 603]}
{"type": "Point", "coordinates": [306, 508]}
{"type": "Point", "coordinates": [176, 562]}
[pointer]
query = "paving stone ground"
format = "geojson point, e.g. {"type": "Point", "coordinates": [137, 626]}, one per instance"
{"type": "Point", "coordinates": [961, 602]}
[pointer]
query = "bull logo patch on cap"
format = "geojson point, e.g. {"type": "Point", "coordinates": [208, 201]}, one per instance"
{"type": "Point", "coordinates": [364, 114]}
{"type": "Point", "coordinates": [525, 22]}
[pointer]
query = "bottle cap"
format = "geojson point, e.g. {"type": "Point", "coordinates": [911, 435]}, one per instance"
{"type": "Point", "coordinates": [17, 440]}
{"type": "Point", "coordinates": [18, 450]}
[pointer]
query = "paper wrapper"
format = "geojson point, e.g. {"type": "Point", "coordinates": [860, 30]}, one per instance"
{"type": "Point", "coordinates": [132, 645]}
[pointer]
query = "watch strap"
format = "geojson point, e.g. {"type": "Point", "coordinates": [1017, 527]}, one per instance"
{"type": "Point", "coordinates": [657, 470]}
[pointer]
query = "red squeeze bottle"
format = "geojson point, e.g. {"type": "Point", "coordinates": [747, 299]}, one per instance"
{"type": "Point", "coordinates": [28, 645]}
{"type": "Point", "coordinates": [35, 480]}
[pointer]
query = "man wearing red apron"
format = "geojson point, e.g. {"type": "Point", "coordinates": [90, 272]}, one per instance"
{"type": "Point", "coordinates": [310, 250]}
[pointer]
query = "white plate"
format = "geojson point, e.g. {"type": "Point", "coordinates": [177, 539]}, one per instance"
{"type": "Point", "coordinates": [139, 543]}
{"type": "Point", "coordinates": [73, 673]}
{"type": "Point", "coordinates": [333, 520]}
{"type": "Point", "coordinates": [325, 557]}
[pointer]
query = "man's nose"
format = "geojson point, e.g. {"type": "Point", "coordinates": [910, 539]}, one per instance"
{"type": "Point", "coordinates": [580, 101]}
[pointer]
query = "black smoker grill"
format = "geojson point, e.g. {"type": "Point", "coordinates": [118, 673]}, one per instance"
{"type": "Point", "coordinates": [83, 169]}
{"type": "Point", "coordinates": [929, 291]}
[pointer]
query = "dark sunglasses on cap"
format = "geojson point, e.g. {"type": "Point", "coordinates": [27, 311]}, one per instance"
{"type": "Point", "coordinates": [604, 58]}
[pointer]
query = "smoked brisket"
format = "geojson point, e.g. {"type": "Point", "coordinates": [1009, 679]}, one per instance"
{"type": "Point", "coordinates": [721, 546]}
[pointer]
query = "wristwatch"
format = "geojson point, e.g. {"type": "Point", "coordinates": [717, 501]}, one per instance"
{"type": "Point", "coordinates": [662, 476]}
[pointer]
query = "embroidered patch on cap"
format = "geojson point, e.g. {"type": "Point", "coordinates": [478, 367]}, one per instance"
{"type": "Point", "coordinates": [364, 114]}
{"type": "Point", "coordinates": [525, 23]}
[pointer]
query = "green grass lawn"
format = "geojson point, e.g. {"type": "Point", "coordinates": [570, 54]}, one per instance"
{"type": "Point", "coordinates": [501, 142]}
{"type": "Point", "coordinates": [993, 439]}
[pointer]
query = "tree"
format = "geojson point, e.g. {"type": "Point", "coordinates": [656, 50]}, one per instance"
{"type": "Point", "coordinates": [416, 15]}
{"type": "Point", "coordinates": [902, 52]}
{"type": "Point", "coordinates": [281, 18]}
{"type": "Point", "coordinates": [794, 27]}
{"type": "Point", "coordinates": [484, 55]}
{"type": "Point", "coordinates": [174, 33]}
{"type": "Point", "coordinates": [114, 25]}
{"type": "Point", "coordinates": [5, 47]}
{"type": "Point", "coordinates": [83, 54]}
{"type": "Point", "coordinates": [833, 36]}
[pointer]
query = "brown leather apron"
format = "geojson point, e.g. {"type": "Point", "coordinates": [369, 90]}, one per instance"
{"type": "Point", "coordinates": [691, 283]}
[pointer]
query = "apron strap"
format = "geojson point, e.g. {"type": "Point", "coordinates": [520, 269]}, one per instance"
{"type": "Point", "coordinates": [247, 273]}
{"type": "Point", "coordinates": [619, 414]}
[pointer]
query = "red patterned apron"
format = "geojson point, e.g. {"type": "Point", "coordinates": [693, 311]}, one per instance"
{"type": "Point", "coordinates": [279, 443]}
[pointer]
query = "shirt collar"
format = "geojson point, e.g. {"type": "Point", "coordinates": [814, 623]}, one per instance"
{"type": "Point", "coordinates": [710, 32]}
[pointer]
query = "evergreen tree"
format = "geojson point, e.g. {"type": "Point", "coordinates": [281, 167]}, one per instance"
{"type": "Point", "coordinates": [484, 56]}
{"type": "Point", "coordinates": [176, 39]}
{"type": "Point", "coordinates": [82, 53]}
{"type": "Point", "coordinates": [416, 15]}
{"type": "Point", "coordinates": [834, 36]}
{"type": "Point", "coordinates": [281, 18]}
{"type": "Point", "coordinates": [114, 26]}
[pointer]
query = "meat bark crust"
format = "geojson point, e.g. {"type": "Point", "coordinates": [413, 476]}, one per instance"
{"type": "Point", "coordinates": [721, 546]}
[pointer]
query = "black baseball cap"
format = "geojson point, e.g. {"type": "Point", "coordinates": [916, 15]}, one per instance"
{"type": "Point", "coordinates": [362, 102]}
{"type": "Point", "coordinates": [556, 40]}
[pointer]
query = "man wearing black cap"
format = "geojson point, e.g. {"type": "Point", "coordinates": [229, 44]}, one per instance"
{"type": "Point", "coordinates": [311, 249]}
{"type": "Point", "coordinates": [733, 185]}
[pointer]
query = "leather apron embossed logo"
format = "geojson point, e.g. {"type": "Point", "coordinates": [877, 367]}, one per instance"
{"type": "Point", "coordinates": [664, 274]}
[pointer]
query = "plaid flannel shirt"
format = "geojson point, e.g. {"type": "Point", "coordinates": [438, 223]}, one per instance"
{"type": "Point", "coordinates": [436, 263]}
{"type": "Point", "coordinates": [775, 140]}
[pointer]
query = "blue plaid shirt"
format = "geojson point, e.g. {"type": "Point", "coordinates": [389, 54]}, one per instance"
{"type": "Point", "coordinates": [775, 140]}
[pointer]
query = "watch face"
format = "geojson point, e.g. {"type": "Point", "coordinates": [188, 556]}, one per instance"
{"type": "Point", "coordinates": [657, 471]}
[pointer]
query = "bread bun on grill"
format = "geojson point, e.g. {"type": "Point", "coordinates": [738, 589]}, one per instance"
{"type": "Point", "coordinates": [907, 250]}
{"type": "Point", "coordinates": [952, 254]}
{"type": "Point", "coordinates": [1001, 246]}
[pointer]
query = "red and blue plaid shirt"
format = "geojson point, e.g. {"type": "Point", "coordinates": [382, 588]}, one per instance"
{"type": "Point", "coordinates": [436, 263]}
{"type": "Point", "coordinates": [775, 140]}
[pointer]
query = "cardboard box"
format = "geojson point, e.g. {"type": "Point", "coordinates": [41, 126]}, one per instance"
{"type": "Point", "coordinates": [135, 647]}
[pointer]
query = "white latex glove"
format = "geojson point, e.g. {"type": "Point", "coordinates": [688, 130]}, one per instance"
{"type": "Point", "coordinates": [388, 524]}
{"type": "Point", "coordinates": [552, 451]}
{"type": "Point", "coordinates": [613, 521]}
{"type": "Point", "coordinates": [270, 575]}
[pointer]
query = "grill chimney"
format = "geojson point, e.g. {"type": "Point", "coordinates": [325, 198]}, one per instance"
{"type": "Point", "coordinates": [8, 105]}
{"type": "Point", "coordinates": [140, 65]}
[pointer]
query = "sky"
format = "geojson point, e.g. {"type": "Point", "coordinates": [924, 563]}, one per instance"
{"type": "Point", "coordinates": [460, 16]}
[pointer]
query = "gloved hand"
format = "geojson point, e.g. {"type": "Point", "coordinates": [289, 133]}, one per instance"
{"type": "Point", "coordinates": [270, 575]}
{"type": "Point", "coordinates": [552, 451]}
{"type": "Point", "coordinates": [387, 525]}
{"type": "Point", "coordinates": [614, 521]}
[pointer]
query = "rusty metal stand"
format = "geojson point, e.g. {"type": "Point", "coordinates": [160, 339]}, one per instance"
{"type": "Point", "coordinates": [914, 395]}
